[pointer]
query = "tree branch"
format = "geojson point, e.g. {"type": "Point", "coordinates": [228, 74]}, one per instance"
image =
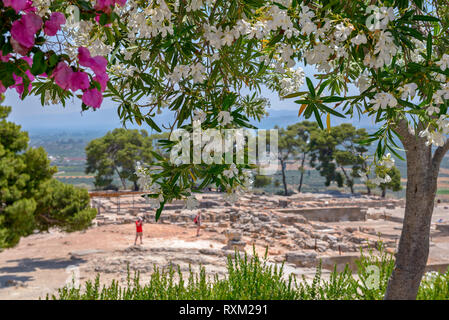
{"type": "Point", "coordinates": [404, 134]}
{"type": "Point", "coordinates": [439, 154]}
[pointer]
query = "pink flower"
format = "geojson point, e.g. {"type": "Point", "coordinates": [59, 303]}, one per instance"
{"type": "Point", "coordinates": [104, 5]}
{"type": "Point", "coordinates": [29, 7]}
{"type": "Point", "coordinates": [2, 88]}
{"type": "Point", "coordinates": [19, 85]}
{"type": "Point", "coordinates": [97, 64]}
{"type": "Point", "coordinates": [102, 79]}
{"type": "Point", "coordinates": [79, 80]}
{"type": "Point", "coordinates": [53, 25]}
{"type": "Point", "coordinates": [66, 78]}
{"type": "Point", "coordinates": [24, 29]}
{"type": "Point", "coordinates": [92, 98]}
{"type": "Point", "coordinates": [62, 75]}
{"type": "Point", "coordinates": [17, 5]}
{"type": "Point", "coordinates": [29, 60]}
{"type": "Point", "coordinates": [4, 58]}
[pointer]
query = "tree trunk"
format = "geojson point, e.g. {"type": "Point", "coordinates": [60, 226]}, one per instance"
{"type": "Point", "coordinates": [413, 250]}
{"type": "Point", "coordinates": [123, 180]}
{"type": "Point", "coordinates": [350, 183]}
{"type": "Point", "coordinates": [384, 192]}
{"type": "Point", "coordinates": [368, 189]}
{"type": "Point", "coordinates": [283, 177]}
{"type": "Point", "coordinates": [302, 172]}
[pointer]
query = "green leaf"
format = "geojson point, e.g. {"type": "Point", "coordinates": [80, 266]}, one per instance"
{"type": "Point", "coordinates": [159, 211]}
{"type": "Point", "coordinates": [311, 87]}
{"type": "Point", "coordinates": [429, 47]}
{"type": "Point", "coordinates": [330, 110]}
{"type": "Point", "coordinates": [38, 66]}
{"type": "Point", "coordinates": [425, 18]}
{"type": "Point", "coordinates": [318, 118]}
{"type": "Point", "coordinates": [152, 124]}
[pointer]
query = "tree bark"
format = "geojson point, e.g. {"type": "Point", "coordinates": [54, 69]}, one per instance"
{"type": "Point", "coordinates": [384, 192]}
{"type": "Point", "coordinates": [122, 180]}
{"type": "Point", "coordinates": [368, 189]}
{"type": "Point", "coordinates": [302, 172]}
{"type": "Point", "coordinates": [413, 250]}
{"type": "Point", "coordinates": [283, 177]}
{"type": "Point", "coordinates": [350, 182]}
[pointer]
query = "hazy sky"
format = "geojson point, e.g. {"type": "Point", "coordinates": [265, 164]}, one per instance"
{"type": "Point", "coordinates": [34, 117]}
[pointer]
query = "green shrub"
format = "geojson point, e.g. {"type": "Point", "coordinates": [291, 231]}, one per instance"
{"type": "Point", "coordinates": [253, 278]}
{"type": "Point", "coordinates": [262, 181]}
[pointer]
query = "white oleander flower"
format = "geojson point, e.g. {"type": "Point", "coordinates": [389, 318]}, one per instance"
{"type": "Point", "coordinates": [199, 115]}
{"type": "Point", "coordinates": [359, 39]}
{"type": "Point", "coordinates": [191, 203]}
{"type": "Point", "coordinates": [387, 161]}
{"type": "Point", "coordinates": [231, 172]}
{"type": "Point", "coordinates": [198, 72]}
{"type": "Point", "coordinates": [342, 32]}
{"type": "Point", "coordinates": [383, 100]}
{"type": "Point", "coordinates": [363, 83]}
{"type": "Point", "coordinates": [408, 90]}
{"type": "Point", "coordinates": [224, 118]}
{"type": "Point", "coordinates": [433, 109]}
{"type": "Point", "coordinates": [444, 62]}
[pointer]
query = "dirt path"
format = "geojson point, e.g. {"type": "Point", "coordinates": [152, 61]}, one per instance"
{"type": "Point", "coordinates": [42, 263]}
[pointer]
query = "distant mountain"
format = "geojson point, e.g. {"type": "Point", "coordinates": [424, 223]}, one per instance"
{"type": "Point", "coordinates": [284, 118]}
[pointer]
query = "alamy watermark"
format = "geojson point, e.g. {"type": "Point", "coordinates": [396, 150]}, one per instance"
{"type": "Point", "coordinates": [227, 146]}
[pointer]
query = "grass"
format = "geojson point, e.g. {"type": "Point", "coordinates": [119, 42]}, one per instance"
{"type": "Point", "coordinates": [252, 278]}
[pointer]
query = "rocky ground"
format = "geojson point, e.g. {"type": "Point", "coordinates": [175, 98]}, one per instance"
{"type": "Point", "coordinates": [299, 230]}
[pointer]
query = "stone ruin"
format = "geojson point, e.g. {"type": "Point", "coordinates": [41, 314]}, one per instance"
{"type": "Point", "coordinates": [300, 229]}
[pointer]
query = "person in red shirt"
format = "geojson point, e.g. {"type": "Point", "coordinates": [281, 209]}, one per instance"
{"type": "Point", "coordinates": [197, 221]}
{"type": "Point", "coordinates": [139, 231]}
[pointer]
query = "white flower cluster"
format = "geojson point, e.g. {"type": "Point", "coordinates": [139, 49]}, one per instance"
{"type": "Point", "coordinates": [246, 177]}
{"type": "Point", "coordinates": [231, 172]}
{"type": "Point", "coordinates": [191, 202]}
{"type": "Point", "coordinates": [408, 91]}
{"type": "Point", "coordinates": [144, 179]}
{"type": "Point", "coordinates": [376, 181]}
{"type": "Point", "coordinates": [154, 20]}
{"type": "Point", "coordinates": [381, 17]}
{"type": "Point", "coordinates": [42, 7]}
{"type": "Point", "coordinates": [437, 136]}
{"type": "Point", "coordinates": [319, 55]}
{"type": "Point", "coordinates": [382, 100]}
{"type": "Point", "coordinates": [387, 161]}
{"type": "Point", "coordinates": [444, 62]}
{"type": "Point", "coordinates": [305, 20]}
{"type": "Point", "coordinates": [146, 184]}
{"type": "Point", "coordinates": [122, 70]}
{"type": "Point", "coordinates": [292, 81]}
{"type": "Point", "coordinates": [438, 98]}
{"type": "Point", "coordinates": [196, 71]}
{"type": "Point", "coordinates": [199, 115]}
{"type": "Point", "coordinates": [384, 51]}
{"type": "Point", "coordinates": [224, 118]}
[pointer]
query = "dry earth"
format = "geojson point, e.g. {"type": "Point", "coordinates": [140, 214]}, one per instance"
{"type": "Point", "coordinates": [298, 230]}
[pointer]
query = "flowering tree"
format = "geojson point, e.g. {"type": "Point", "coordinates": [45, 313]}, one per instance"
{"type": "Point", "coordinates": [207, 60]}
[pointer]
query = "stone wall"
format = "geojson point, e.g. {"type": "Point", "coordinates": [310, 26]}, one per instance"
{"type": "Point", "coordinates": [329, 214]}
